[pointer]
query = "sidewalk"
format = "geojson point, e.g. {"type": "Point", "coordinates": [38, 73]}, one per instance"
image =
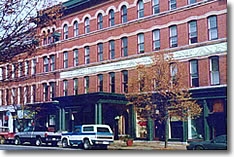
{"type": "Point", "coordinates": [147, 145]}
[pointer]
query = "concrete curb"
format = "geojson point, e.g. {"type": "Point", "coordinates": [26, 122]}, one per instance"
{"type": "Point", "coordinates": [147, 145]}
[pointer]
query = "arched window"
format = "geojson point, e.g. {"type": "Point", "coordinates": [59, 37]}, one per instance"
{"type": "Point", "coordinates": [111, 17]}
{"type": "Point", "coordinates": [100, 21]}
{"type": "Point", "coordinates": [87, 25]}
{"type": "Point", "coordinates": [76, 29]}
{"type": "Point", "coordinates": [140, 9]}
{"type": "Point", "coordinates": [65, 31]}
{"type": "Point", "coordinates": [124, 14]}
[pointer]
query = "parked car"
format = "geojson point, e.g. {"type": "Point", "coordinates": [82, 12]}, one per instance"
{"type": "Point", "coordinates": [37, 136]}
{"type": "Point", "coordinates": [219, 142]}
{"type": "Point", "coordinates": [5, 135]}
{"type": "Point", "coordinates": [89, 136]}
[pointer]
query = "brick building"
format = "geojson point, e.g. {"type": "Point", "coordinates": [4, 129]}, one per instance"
{"type": "Point", "coordinates": [80, 71]}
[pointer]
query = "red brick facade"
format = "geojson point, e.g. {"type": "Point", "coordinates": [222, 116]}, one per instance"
{"type": "Point", "coordinates": [180, 17]}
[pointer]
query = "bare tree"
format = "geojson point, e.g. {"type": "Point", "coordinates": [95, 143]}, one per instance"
{"type": "Point", "coordinates": [158, 91]}
{"type": "Point", "coordinates": [19, 21]}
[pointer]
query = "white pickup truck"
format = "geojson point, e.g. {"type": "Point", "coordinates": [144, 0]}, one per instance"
{"type": "Point", "coordinates": [37, 136]}
{"type": "Point", "coordinates": [89, 136]}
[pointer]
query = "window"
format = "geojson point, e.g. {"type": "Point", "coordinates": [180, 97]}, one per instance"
{"type": "Point", "coordinates": [13, 70]}
{"type": "Point", "coordinates": [156, 39]}
{"type": "Point", "coordinates": [33, 70]}
{"type": "Point", "coordinates": [52, 89]}
{"type": "Point", "coordinates": [112, 82]}
{"type": "Point", "coordinates": [44, 38]}
{"type": "Point", "coordinates": [124, 45]}
{"type": "Point", "coordinates": [45, 92]}
{"type": "Point", "coordinates": [75, 86]}
{"type": "Point", "coordinates": [20, 69]}
{"type": "Point", "coordinates": [65, 88]}
{"type": "Point", "coordinates": [173, 36]}
{"type": "Point", "coordinates": [26, 71]}
{"type": "Point", "coordinates": [173, 72]}
{"type": "Point", "coordinates": [100, 21]}
{"type": "Point", "coordinates": [46, 64]}
{"type": "Point", "coordinates": [87, 57]}
{"type": "Point", "coordinates": [1, 74]}
{"type": "Point", "coordinates": [111, 18]}
{"type": "Point", "coordinates": [192, 1]}
{"type": "Point", "coordinates": [65, 31]}
{"type": "Point", "coordinates": [7, 97]}
{"type": "Point", "coordinates": [112, 49]}
{"type": "Point", "coordinates": [26, 94]}
{"type": "Point", "coordinates": [140, 9]}
{"type": "Point", "coordinates": [155, 6]}
{"type": "Point", "coordinates": [142, 83]}
{"type": "Point", "coordinates": [125, 81]}
{"type": "Point", "coordinates": [33, 93]}
{"type": "Point", "coordinates": [76, 29]}
{"type": "Point", "coordinates": [172, 4]}
{"type": "Point", "coordinates": [13, 96]}
{"type": "Point", "coordinates": [7, 71]}
{"type": "Point", "coordinates": [140, 41]}
{"type": "Point", "coordinates": [52, 62]}
{"type": "Point", "coordinates": [214, 70]}
{"type": "Point", "coordinates": [87, 26]}
{"type": "Point", "coordinates": [100, 83]}
{"type": "Point", "coordinates": [65, 59]}
{"type": "Point", "coordinates": [212, 28]}
{"type": "Point", "coordinates": [100, 52]}
{"type": "Point", "coordinates": [49, 37]}
{"type": "Point", "coordinates": [75, 57]}
{"type": "Point", "coordinates": [86, 84]}
{"type": "Point", "coordinates": [88, 128]}
{"type": "Point", "coordinates": [124, 14]}
{"type": "Point", "coordinates": [1, 98]}
{"type": "Point", "coordinates": [194, 79]}
{"type": "Point", "coordinates": [192, 32]}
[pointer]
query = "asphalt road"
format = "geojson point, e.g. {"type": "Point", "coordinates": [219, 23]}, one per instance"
{"type": "Point", "coordinates": [29, 147]}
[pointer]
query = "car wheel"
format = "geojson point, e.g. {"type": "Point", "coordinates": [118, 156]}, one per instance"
{"type": "Point", "coordinates": [199, 148]}
{"type": "Point", "coordinates": [2, 140]}
{"type": "Point", "coordinates": [17, 141]}
{"type": "Point", "coordinates": [64, 143]}
{"type": "Point", "coordinates": [38, 142]}
{"type": "Point", "coordinates": [86, 144]}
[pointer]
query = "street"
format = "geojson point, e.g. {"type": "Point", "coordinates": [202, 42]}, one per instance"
{"type": "Point", "coordinates": [30, 147]}
{"type": "Point", "coordinates": [117, 145]}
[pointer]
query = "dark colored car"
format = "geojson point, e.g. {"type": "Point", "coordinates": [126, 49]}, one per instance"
{"type": "Point", "coordinates": [218, 143]}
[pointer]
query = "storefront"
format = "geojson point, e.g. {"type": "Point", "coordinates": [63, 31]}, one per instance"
{"type": "Point", "coordinates": [8, 116]}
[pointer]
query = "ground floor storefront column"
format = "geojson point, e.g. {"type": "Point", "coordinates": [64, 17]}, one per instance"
{"type": "Point", "coordinates": [98, 113]}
